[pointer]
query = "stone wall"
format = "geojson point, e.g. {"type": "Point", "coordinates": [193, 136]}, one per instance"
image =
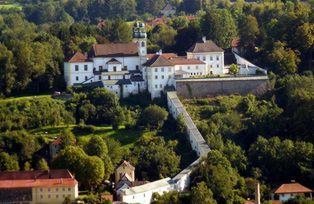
{"type": "Point", "coordinates": [210, 87]}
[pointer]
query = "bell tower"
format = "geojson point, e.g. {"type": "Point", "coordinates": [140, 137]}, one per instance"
{"type": "Point", "coordinates": [140, 38]}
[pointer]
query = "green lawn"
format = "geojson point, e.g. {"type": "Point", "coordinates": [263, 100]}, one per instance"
{"type": "Point", "coordinates": [23, 97]}
{"type": "Point", "coordinates": [127, 138]}
{"type": "Point", "coordinates": [10, 6]}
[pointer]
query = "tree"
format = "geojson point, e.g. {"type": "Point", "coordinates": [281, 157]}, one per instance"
{"type": "Point", "coordinates": [93, 171]}
{"type": "Point", "coordinates": [150, 6]}
{"type": "Point", "coordinates": [218, 174]}
{"type": "Point", "coordinates": [234, 69]}
{"type": "Point", "coordinates": [154, 157]}
{"type": "Point", "coordinates": [67, 138]}
{"type": "Point", "coordinates": [219, 25]}
{"type": "Point", "coordinates": [42, 164]}
{"type": "Point", "coordinates": [284, 59]}
{"type": "Point", "coordinates": [249, 30]}
{"type": "Point", "coordinates": [89, 170]}
{"type": "Point", "coordinates": [202, 195]}
{"type": "Point", "coordinates": [7, 70]}
{"type": "Point", "coordinates": [96, 146]}
{"type": "Point", "coordinates": [8, 163]}
{"type": "Point", "coordinates": [153, 117]}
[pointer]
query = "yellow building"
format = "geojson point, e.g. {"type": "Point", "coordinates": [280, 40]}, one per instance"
{"type": "Point", "coordinates": [37, 187]}
{"type": "Point", "coordinates": [125, 169]}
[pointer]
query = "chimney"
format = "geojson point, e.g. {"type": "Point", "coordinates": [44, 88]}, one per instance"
{"type": "Point", "coordinates": [204, 39]}
{"type": "Point", "coordinates": [257, 194]}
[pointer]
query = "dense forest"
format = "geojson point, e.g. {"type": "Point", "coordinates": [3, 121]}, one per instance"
{"type": "Point", "coordinates": [267, 139]}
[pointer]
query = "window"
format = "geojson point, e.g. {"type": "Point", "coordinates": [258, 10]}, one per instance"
{"type": "Point", "coordinates": [156, 86]}
{"type": "Point", "coordinates": [137, 67]}
{"type": "Point", "coordinates": [41, 196]}
{"type": "Point", "coordinates": [196, 67]}
{"type": "Point", "coordinates": [63, 196]}
{"type": "Point", "coordinates": [188, 67]}
{"type": "Point", "coordinates": [217, 65]}
{"type": "Point", "coordinates": [143, 44]}
{"type": "Point", "coordinates": [162, 76]}
{"type": "Point", "coordinates": [198, 58]}
{"type": "Point", "coordinates": [41, 190]}
{"type": "Point", "coordinates": [49, 196]}
{"type": "Point", "coordinates": [85, 67]}
{"type": "Point", "coordinates": [76, 67]}
{"type": "Point", "coordinates": [99, 77]}
{"type": "Point", "coordinates": [57, 196]}
{"type": "Point", "coordinates": [204, 58]}
{"type": "Point", "coordinates": [156, 69]}
{"type": "Point", "coordinates": [100, 68]}
{"type": "Point", "coordinates": [160, 85]}
{"type": "Point", "coordinates": [169, 69]}
{"type": "Point", "coordinates": [211, 58]}
{"type": "Point", "coordinates": [217, 58]}
{"type": "Point", "coordinates": [125, 68]}
{"type": "Point", "coordinates": [169, 77]}
{"type": "Point", "coordinates": [156, 76]}
{"type": "Point", "coordinates": [114, 68]}
{"type": "Point", "coordinates": [63, 189]}
{"type": "Point", "coordinates": [57, 189]}
{"type": "Point", "coordinates": [162, 69]}
{"type": "Point", "coordinates": [69, 189]}
{"type": "Point", "coordinates": [86, 78]}
{"type": "Point", "coordinates": [211, 66]}
{"type": "Point", "coordinates": [48, 189]}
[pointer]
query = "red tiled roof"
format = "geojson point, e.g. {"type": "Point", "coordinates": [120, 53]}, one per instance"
{"type": "Point", "coordinates": [208, 46]}
{"type": "Point", "coordinates": [158, 61]}
{"type": "Point", "coordinates": [185, 61]}
{"type": "Point", "coordinates": [38, 174]}
{"type": "Point", "coordinates": [78, 57]}
{"type": "Point", "coordinates": [115, 49]}
{"type": "Point", "coordinates": [292, 188]}
{"type": "Point", "coordinates": [39, 178]}
{"type": "Point", "coordinates": [27, 183]}
{"type": "Point", "coordinates": [166, 55]}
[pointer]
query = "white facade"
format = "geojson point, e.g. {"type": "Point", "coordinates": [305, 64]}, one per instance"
{"type": "Point", "coordinates": [214, 61]}
{"type": "Point", "coordinates": [78, 72]}
{"type": "Point", "coordinates": [143, 194]}
{"type": "Point", "coordinates": [158, 78]}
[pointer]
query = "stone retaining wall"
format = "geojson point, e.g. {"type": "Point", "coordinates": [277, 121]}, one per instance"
{"type": "Point", "coordinates": [210, 87]}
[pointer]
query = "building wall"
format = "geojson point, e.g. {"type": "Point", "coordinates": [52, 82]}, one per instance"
{"type": "Point", "coordinates": [158, 78]}
{"type": "Point", "coordinates": [193, 69]}
{"type": "Point", "coordinates": [199, 88]}
{"type": "Point", "coordinates": [214, 61]}
{"type": "Point", "coordinates": [71, 74]}
{"type": "Point", "coordinates": [130, 62]}
{"type": "Point", "coordinates": [146, 196]}
{"type": "Point", "coordinates": [122, 170]}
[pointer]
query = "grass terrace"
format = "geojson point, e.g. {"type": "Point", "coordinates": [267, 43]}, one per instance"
{"type": "Point", "coordinates": [127, 138]}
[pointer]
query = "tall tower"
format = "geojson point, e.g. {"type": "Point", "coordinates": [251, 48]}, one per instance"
{"type": "Point", "coordinates": [140, 37]}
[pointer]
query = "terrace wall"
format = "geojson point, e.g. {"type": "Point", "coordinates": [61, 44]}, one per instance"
{"type": "Point", "coordinates": [210, 87]}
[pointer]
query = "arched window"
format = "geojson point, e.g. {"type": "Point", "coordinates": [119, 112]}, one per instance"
{"type": "Point", "coordinates": [143, 44]}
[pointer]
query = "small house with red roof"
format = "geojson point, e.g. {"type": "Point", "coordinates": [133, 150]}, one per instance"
{"type": "Point", "coordinates": [290, 190]}
{"type": "Point", "coordinates": [39, 186]}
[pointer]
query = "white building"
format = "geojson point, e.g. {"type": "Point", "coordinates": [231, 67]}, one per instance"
{"type": "Point", "coordinates": [118, 66]}
{"type": "Point", "coordinates": [208, 52]}
{"type": "Point", "coordinates": [46, 187]}
{"type": "Point", "coordinates": [126, 68]}
{"type": "Point", "coordinates": [163, 69]}
{"type": "Point", "coordinates": [291, 190]}
{"type": "Point", "coordinates": [143, 193]}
